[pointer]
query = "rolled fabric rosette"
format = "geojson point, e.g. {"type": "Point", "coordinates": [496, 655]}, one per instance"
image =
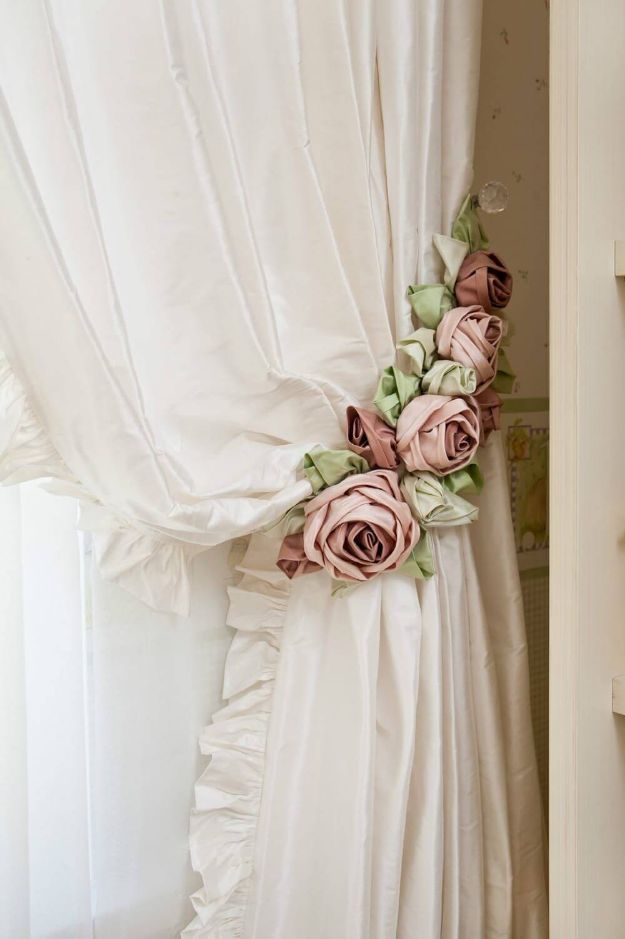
{"type": "Point", "coordinates": [489, 404]}
{"type": "Point", "coordinates": [472, 337]}
{"type": "Point", "coordinates": [361, 527]}
{"type": "Point", "coordinates": [485, 280]}
{"type": "Point", "coordinates": [438, 434]}
{"type": "Point", "coordinates": [372, 438]}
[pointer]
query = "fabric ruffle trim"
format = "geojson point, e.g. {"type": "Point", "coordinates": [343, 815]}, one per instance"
{"type": "Point", "coordinates": [228, 794]}
{"type": "Point", "coordinates": [153, 568]}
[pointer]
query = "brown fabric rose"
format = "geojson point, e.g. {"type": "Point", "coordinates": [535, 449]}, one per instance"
{"type": "Point", "coordinates": [292, 559]}
{"type": "Point", "coordinates": [438, 434]}
{"type": "Point", "coordinates": [472, 337]}
{"type": "Point", "coordinates": [372, 438]}
{"type": "Point", "coordinates": [360, 527]}
{"type": "Point", "coordinates": [483, 278]}
{"type": "Point", "coordinates": [489, 404]}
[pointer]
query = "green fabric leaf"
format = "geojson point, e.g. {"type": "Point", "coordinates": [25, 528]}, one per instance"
{"type": "Point", "coordinates": [433, 504]}
{"type": "Point", "coordinates": [395, 390]}
{"type": "Point", "coordinates": [291, 523]}
{"type": "Point", "coordinates": [420, 346]}
{"type": "Point", "coordinates": [453, 253]}
{"type": "Point", "coordinates": [449, 378]}
{"type": "Point", "coordinates": [469, 478]}
{"type": "Point", "coordinates": [420, 562]}
{"type": "Point", "coordinates": [430, 302]}
{"type": "Point", "coordinates": [505, 377]}
{"type": "Point", "coordinates": [340, 588]}
{"type": "Point", "coordinates": [468, 227]}
{"type": "Point", "coordinates": [328, 467]}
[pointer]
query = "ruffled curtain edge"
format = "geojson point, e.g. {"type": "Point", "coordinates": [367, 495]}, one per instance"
{"type": "Point", "coordinates": [153, 568]}
{"type": "Point", "coordinates": [228, 793]}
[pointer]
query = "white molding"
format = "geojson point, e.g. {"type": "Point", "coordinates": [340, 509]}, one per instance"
{"type": "Point", "coordinates": [564, 553]}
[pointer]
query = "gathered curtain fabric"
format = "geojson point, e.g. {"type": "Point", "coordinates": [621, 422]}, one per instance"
{"type": "Point", "coordinates": [211, 213]}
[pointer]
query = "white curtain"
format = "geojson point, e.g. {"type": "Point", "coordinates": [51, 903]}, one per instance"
{"type": "Point", "coordinates": [211, 212]}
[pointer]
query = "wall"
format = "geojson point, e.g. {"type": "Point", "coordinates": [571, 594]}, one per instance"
{"type": "Point", "coordinates": [512, 146]}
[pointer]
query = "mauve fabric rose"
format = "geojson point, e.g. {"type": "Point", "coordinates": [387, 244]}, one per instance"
{"type": "Point", "coordinates": [292, 559]}
{"type": "Point", "coordinates": [471, 336]}
{"type": "Point", "coordinates": [438, 434]}
{"type": "Point", "coordinates": [361, 527]}
{"type": "Point", "coordinates": [489, 404]}
{"type": "Point", "coordinates": [372, 438]}
{"type": "Point", "coordinates": [483, 278]}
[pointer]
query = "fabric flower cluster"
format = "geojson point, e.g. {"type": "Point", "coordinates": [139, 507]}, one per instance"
{"type": "Point", "coordinates": [409, 460]}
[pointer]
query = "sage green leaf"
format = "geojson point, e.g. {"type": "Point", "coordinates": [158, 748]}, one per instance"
{"type": "Point", "coordinates": [430, 302]}
{"type": "Point", "coordinates": [291, 523]}
{"type": "Point", "coordinates": [505, 377]}
{"type": "Point", "coordinates": [293, 520]}
{"type": "Point", "coordinates": [468, 227]}
{"type": "Point", "coordinates": [469, 478]}
{"type": "Point", "coordinates": [453, 253]}
{"type": "Point", "coordinates": [433, 504]}
{"type": "Point", "coordinates": [420, 346]}
{"type": "Point", "coordinates": [420, 562]}
{"type": "Point", "coordinates": [395, 390]}
{"type": "Point", "coordinates": [340, 588]}
{"type": "Point", "coordinates": [328, 467]}
{"type": "Point", "coordinates": [449, 378]}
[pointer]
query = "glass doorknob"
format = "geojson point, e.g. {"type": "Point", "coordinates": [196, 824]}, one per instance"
{"type": "Point", "coordinates": [493, 197]}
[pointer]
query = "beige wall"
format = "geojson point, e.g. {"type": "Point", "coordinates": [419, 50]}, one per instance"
{"type": "Point", "coordinates": [512, 146]}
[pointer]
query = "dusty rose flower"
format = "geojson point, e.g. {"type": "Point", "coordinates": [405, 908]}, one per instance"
{"type": "Point", "coordinates": [360, 527]}
{"type": "Point", "coordinates": [292, 559]}
{"type": "Point", "coordinates": [472, 337]}
{"type": "Point", "coordinates": [484, 279]}
{"type": "Point", "coordinates": [489, 404]}
{"type": "Point", "coordinates": [372, 438]}
{"type": "Point", "coordinates": [438, 434]}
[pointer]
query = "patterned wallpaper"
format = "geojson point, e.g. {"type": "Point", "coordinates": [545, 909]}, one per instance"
{"type": "Point", "coordinates": [512, 145]}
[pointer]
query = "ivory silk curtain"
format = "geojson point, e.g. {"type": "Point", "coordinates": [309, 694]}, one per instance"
{"type": "Point", "coordinates": [211, 212]}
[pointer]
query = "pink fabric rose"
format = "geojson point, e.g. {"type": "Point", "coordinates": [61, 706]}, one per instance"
{"type": "Point", "coordinates": [438, 434]}
{"type": "Point", "coordinates": [484, 279]}
{"type": "Point", "coordinates": [361, 527]}
{"type": "Point", "coordinates": [489, 404]}
{"type": "Point", "coordinates": [292, 559]}
{"type": "Point", "coordinates": [472, 337]}
{"type": "Point", "coordinates": [372, 438]}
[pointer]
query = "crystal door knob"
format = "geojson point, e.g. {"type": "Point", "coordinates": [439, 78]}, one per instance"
{"type": "Point", "coordinates": [493, 197]}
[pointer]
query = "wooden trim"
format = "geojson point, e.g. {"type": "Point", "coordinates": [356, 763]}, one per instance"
{"type": "Point", "coordinates": [564, 538]}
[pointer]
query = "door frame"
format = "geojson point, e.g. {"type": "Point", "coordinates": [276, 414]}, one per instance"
{"type": "Point", "coordinates": [564, 494]}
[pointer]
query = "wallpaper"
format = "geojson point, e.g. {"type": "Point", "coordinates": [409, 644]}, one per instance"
{"type": "Point", "coordinates": [512, 146]}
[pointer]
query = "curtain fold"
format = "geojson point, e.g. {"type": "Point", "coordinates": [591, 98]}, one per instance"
{"type": "Point", "coordinates": [211, 215]}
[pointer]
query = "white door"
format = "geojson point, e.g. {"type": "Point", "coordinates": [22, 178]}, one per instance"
{"type": "Point", "coordinates": [587, 616]}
